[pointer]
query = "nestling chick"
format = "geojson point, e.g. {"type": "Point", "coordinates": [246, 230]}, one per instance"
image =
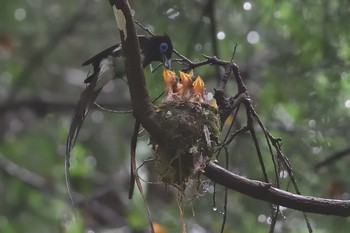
{"type": "Point", "coordinates": [198, 91]}
{"type": "Point", "coordinates": [171, 86]}
{"type": "Point", "coordinates": [186, 81]}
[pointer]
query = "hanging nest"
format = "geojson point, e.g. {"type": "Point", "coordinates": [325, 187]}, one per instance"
{"type": "Point", "coordinates": [194, 129]}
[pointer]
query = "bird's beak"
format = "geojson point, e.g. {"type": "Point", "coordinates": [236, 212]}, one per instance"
{"type": "Point", "coordinates": [166, 61]}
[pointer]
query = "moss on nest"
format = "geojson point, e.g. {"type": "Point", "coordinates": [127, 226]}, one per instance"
{"type": "Point", "coordinates": [193, 129]}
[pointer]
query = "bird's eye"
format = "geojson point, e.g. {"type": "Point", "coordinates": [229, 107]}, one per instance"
{"type": "Point", "coordinates": [163, 47]}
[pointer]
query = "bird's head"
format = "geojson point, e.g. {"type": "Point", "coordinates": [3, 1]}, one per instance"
{"type": "Point", "coordinates": [161, 50]}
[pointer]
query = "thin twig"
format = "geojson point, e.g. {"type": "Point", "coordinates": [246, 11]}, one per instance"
{"type": "Point", "coordinates": [224, 217]}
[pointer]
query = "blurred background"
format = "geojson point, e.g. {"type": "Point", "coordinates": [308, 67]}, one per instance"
{"type": "Point", "coordinates": [294, 57]}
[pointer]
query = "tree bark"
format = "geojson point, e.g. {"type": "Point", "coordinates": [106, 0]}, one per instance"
{"type": "Point", "coordinates": [266, 192]}
{"type": "Point", "coordinates": [143, 109]}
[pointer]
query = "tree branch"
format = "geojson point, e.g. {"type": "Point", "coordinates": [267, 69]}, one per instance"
{"type": "Point", "coordinates": [143, 109]}
{"type": "Point", "coordinates": [42, 106]}
{"type": "Point", "coordinates": [24, 175]}
{"type": "Point", "coordinates": [332, 158]}
{"type": "Point", "coordinates": [96, 205]}
{"type": "Point", "coordinates": [265, 192]}
{"type": "Point", "coordinates": [39, 56]}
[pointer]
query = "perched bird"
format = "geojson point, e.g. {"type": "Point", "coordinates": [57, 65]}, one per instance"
{"type": "Point", "coordinates": [155, 48]}
{"type": "Point", "coordinates": [107, 65]}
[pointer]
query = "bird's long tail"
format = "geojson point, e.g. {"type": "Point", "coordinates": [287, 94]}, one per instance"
{"type": "Point", "coordinates": [87, 98]}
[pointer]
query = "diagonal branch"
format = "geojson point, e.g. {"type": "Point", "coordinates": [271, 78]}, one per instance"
{"type": "Point", "coordinates": [266, 192]}
{"type": "Point", "coordinates": [39, 56]}
{"type": "Point", "coordinates": [331, 159]}
{"type": "Point", "coordinates": [143, 109]}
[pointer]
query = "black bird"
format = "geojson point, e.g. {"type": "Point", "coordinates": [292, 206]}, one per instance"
{"type": "Point", "coordinates": [155, 48]}
{"type": "Point", "coordinates": [107, 65]}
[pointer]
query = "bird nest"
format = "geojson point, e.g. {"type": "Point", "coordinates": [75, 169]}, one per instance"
{"type": "Point", "coordinates": [194, 129]}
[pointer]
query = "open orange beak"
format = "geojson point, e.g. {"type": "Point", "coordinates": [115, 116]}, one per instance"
{"type": "Point", "coordinates": [171, 85]}
{"type": "Point", "coordinates": [169, 78]}
{"type": "Point", "coordinates": [186, 80]}
{"type": "Point", "coordinates": [198, 90]}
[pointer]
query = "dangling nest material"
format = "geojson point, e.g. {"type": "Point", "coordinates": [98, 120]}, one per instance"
{"type": "Point", "coordinates": [194, 130]}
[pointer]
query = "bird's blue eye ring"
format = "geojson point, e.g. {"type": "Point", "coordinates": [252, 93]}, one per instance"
{"type": "Point", "coordinates": [163, 47]}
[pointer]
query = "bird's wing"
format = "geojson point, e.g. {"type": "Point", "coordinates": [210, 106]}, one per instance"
{"type": "Point", "coordinates": [97, 60]}
{"type": "Point", "coordinates": [113, 50]}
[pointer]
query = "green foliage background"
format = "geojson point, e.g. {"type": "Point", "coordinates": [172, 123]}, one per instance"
{"type": "Point", "coordinates": [297, 74]}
